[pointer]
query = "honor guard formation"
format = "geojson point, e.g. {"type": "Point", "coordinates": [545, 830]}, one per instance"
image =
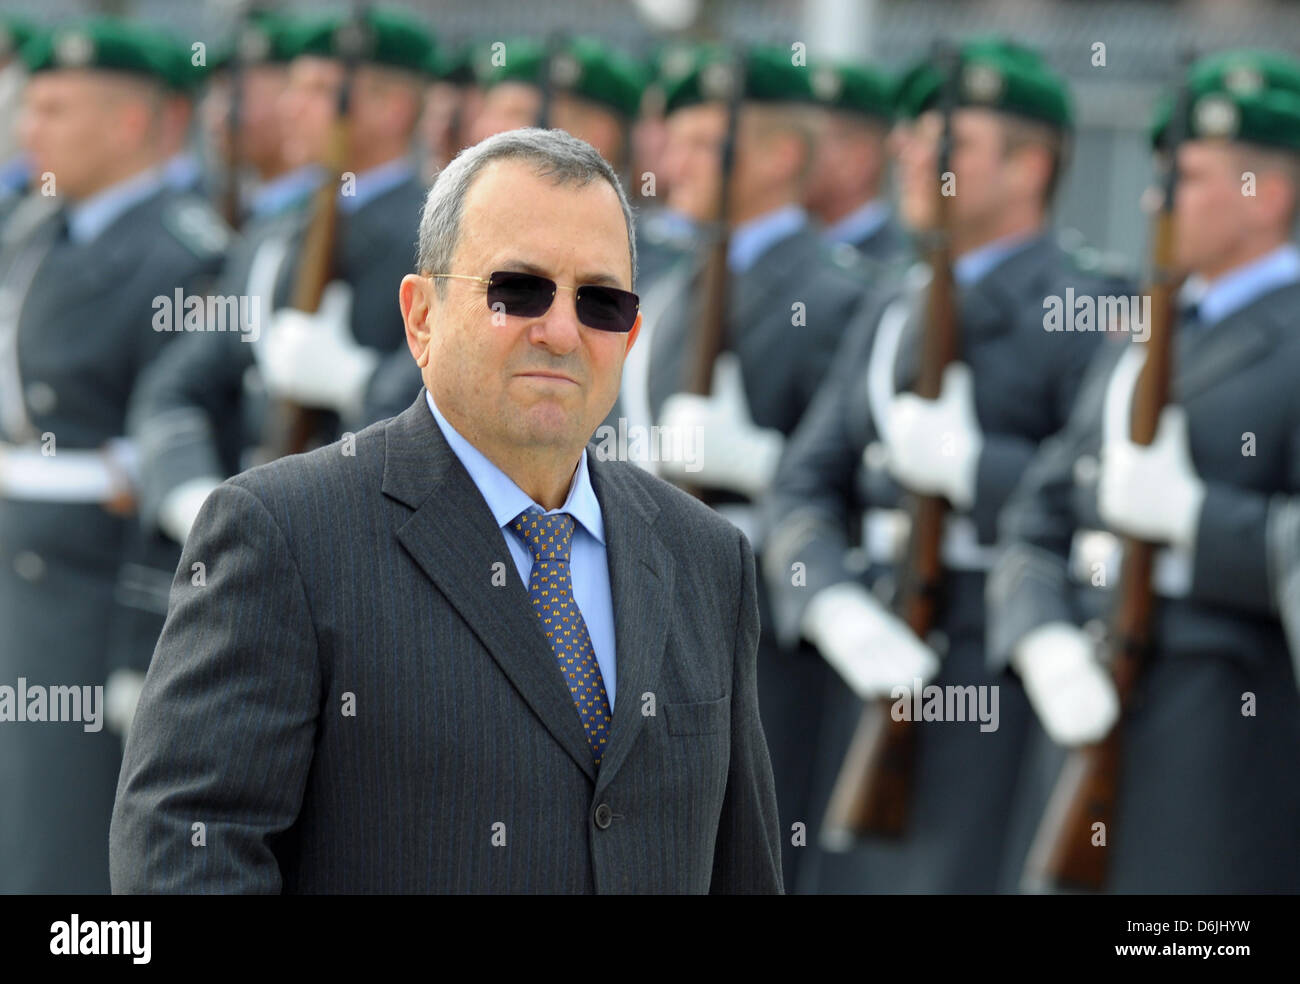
{"type": "Point", "coordinates": [1026, 521]}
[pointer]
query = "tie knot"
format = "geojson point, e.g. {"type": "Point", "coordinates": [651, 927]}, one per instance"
{"type": "Point", "coordinates": [547, 535]}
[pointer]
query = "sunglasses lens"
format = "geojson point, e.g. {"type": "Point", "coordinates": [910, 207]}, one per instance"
{"type": "Point", "coordinates": [607, 308]}
{"type": "Point", "coordinates": [521, 294]}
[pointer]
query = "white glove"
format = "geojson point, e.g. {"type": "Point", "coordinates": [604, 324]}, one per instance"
{"type": "Point", "coordinates": [1152, 492]}
{"type": "Point", "coordinates": [733, 452]}
{"type": "Point", "coordinates": [868, 646]}
{"type": "Point", "coordinates": [934, 445]}
{"type": "Point", "coordinates": [1072, 694]}
{"type": "Point", "coordinates": [313, 360]}
{"type": "Point", "coordinates": [180, 507]}
{"type": "Point", "coordinates": [121, 695]}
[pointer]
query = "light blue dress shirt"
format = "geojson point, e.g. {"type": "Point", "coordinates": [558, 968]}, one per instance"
{"type": "Point", "coordinates": [752, 239]}
{"type": "Point", "coordinates": [91, 216]}
{"type": "Point", "coordinates": [182, 171]}
{"type": "Point", "coordinates": [279, 193]}
{"type": "Point", "coordinates": [972, 267]}
{"type": "Point", "coordinates": [1234, 290]}
{"type": "Point", "coordinates": [373, 183]}
{"type": "Point", "coordinates": [859, 224]}
{"type": "Point", "coordinates": [588, 561]}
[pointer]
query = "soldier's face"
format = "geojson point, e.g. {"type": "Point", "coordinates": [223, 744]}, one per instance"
{"type": "Point", "coordinates": [850, 155]}
{"type": "Point", "coordinates": [81, 126]}
{"type": "Point", "coordinates": [308, 107]}
{"type": "Point", "coordinates": [692, 159]}
{"type": "Point", "coordinates": [981, 181]}
{"type": "Point", "coordinates": [261, 139]}
{"type": "Point", "coordinates": [524, 384]}
{"type": "Point", "coordinates": [507, 106]}
{"type": "Point", "coordinates": [1213, 215]}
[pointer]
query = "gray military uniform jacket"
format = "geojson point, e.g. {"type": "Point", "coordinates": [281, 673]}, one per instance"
{"type": "Point", "coordinates": [834, 468]}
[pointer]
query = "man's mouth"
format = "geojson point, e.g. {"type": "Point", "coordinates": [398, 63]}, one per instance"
{"type": "Point", "coordinates": [555, 376]}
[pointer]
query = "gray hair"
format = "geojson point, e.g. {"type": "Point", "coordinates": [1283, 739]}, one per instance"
{"type": "Point", "coordinates": [553, 153]}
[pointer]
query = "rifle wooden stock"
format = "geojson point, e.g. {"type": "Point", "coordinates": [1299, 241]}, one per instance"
{"type": "Point", "coordinates": [1063, 855]}
{"type": "Point", "coordinates": [873, 788]}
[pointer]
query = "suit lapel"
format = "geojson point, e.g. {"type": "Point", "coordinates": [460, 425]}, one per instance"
{"type": "Point", "coordinates": [641, 585]}
{"type": "Point", "coordinates": [454, 538]}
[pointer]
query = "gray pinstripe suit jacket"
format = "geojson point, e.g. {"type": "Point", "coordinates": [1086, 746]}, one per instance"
{"type": "Point", "coordinates": [367, 580]}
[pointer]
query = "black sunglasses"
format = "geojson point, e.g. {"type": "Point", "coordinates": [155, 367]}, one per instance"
{"type": "Point", "coordinates": [527, 295]}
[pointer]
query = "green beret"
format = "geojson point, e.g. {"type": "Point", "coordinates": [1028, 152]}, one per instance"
{"type": "Point", "coordinates": [14, 33]}
{"type": "Point", "coordinates": [265, 38]}
{"type": "Point", "coordinates": [389, 37]}
{"type": "Point", "coordinates": [454, 65]}
{"type": "Point", "coordinates": [769, 75]}
{"type": "Point", "coordinates": [993, 73]}
{"type": "Point", "coordinates": [853, 88]}
{"type": "Point", "coordinates": [106, 44]}
{"type": "Point", "coordinates": [579, 66]}
{"type": "Point", "coordinates": [1247, 96]}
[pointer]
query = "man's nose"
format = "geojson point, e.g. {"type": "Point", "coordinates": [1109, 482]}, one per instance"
{"type": "Point", "coordinates": [559, 328]}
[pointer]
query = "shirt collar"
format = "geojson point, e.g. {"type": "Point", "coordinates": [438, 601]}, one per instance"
{"type": "Point", "coordinates": [507, 500]}
{"type": "Point", "coordinates": [859, 225]}
{"type": "Point", "coordinates": [182, 171]}
{"type": "Point", "coordinates": [370, 184]}
{"type": "Point", "coordinates": [972, 267]}
{"type": "Point", "coordinates": [751, 239]}
{"type": "Point", "coordinates": [91, 216]}
{"type": "Point", "coordinates": [279, 193]}
{"type": "Point", "coordinates": [1234, 290]}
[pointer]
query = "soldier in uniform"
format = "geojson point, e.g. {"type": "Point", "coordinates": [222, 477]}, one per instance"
{"type": "Point", "coordinates": [846, 189]}
{"type": "Point", "coordinates": [82, 276]}
{"type": "Point", "coordinates": [182, 448]}
{"type": "Point", "coordinates": [268, 183]}
{"type": "Point", "coordinates": [865, 441]}
{"type": "Point", "coordinates": [789, 301]}
{"type": "Point", "coordinates": [189, 414]}
{"type": "Point", "coordinates": [1207, 797]}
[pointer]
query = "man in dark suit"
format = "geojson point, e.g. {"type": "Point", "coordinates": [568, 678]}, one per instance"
{"type": "Point", "coordinates": [366, 683]}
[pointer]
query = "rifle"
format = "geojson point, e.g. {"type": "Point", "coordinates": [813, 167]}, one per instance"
{"type": "Point", "coordinates": [231, 206]}
{"type": "Point", "coordinates": [714, 301]}
{"type": "Point", "coordinates": [874, 784]}
{"type": "Point", "coordinates": [1063, 854]}
{"type": "Point", "coordinates": [292, 428]}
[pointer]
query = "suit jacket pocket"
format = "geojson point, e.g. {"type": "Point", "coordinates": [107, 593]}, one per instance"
{"type": "Point", "coordinates": [699, 718]}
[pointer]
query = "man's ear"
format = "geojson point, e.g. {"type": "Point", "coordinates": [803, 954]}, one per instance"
{"type": "Point", "coordinates": [416, 302]}
{"type": "Point", "coordinates": [632, 335]}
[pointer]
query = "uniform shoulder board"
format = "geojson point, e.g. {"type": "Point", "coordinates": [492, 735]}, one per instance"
{"type": "Point", "coordinates": [197, 226]}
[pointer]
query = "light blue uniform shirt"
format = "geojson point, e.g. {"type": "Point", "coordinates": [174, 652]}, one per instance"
{"type": "Point", "coordinates": [752, 239]}
{"type": "Point", "coordinates": [588, 562]}
{"type": "Point", "coordinates": [1234, 290]}
{"type": "Point", "coordinates": [91, 216]}
{"type": "Point", "coordinates": [373, 183]}
{"type": "Point", "coordinates": [859, 224]}
{"type": "Point", "coordinates": [279, 193]}
{"type": "Point", "coordinates": [970, 268]}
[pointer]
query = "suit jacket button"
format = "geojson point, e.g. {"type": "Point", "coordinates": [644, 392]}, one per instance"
{"type": "Point", "coordinates": [604, 816]}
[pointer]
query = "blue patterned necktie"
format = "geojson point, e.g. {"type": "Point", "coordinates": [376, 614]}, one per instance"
{"type": "Point", "coordinates": [548, 538]}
